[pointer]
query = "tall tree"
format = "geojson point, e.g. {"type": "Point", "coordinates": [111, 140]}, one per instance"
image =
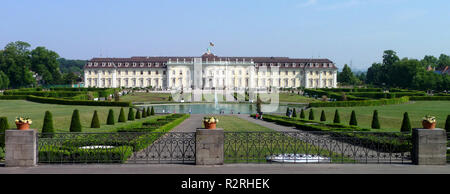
{"type": "Point", "coordinates": [15, 62]}
{"type": "Point", "coordinates": [347, 77]}
{"type": "Point", "coordinates": [44, 63]}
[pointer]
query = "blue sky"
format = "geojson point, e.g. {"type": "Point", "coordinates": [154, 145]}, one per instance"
{"type": "Point", "coordinates": [343, 31]}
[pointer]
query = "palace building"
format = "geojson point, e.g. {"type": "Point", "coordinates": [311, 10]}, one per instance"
{"type": "Point", "coordinates": [209, 72]}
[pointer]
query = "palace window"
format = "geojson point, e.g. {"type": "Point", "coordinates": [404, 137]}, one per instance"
{"type": "Point", "coordinates": [142, 72]}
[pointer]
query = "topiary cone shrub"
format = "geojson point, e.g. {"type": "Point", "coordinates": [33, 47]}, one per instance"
{"type": "Point", "coordinates": [375, 122]}
{"type": "Point", "coordinates": [353, 120]}
{"type": "Point", "coordinates": [287, 112]}
{"type": "Point", "coordinates": [322, 116]}
{"type": "Point", "coordinates": [131, 114]}
{"type": "Point", "coordinates": [75, 124]}
{"type": "Point", "coordinates": [138, 114]}
{"type": "Point", "coordinates": [122, 118]}
{"type": "Point", "coordinates": [406, 124]}
{"type": "Point", "coordinates": [95, 123]}
{"type": "Point", "coordinates": [447, 124]}
{"type": "Point", "coordinates": [47, 128]}
{"type": "Point", "coordinates": [149, 113]}
{"type": "Point", "coordinates": [311, 114]}
{"type": "Point", "coordinates": [302, 114]}
{"type": "Point", "coordinates": [144, 113]}
{"type": "Point", "coordinates": [294, 114]}
{"type": "Point", "coordinates": [152, 112]}
{"type": "Point", "coordinates": [3, 127]}
{"type": "Point", "coordinates": [337, 118]}
{"type": "Point", "coordinates": [110, 120]}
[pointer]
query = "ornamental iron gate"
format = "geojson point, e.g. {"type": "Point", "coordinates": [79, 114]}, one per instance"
{"type": "Point", "coordinates": [128, 148]}
{"type": "Point", "coordinates": [317, 147]}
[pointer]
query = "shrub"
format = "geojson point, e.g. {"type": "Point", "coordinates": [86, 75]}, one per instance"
{"type": "Point", "coordinates": [131, 114]}
{"type": "Point", "coordinates": [152, 112]}
{"type": "Point", "coordinates": [360, 102]}
{"type": "Point", "coordinates": [322, 116]}
{"type": "Point", "coordinates": [144, 113]}
{"type": "Point", "coordinates": [375, 122]}
{"type": "Point", "coordinates": [337, 118]}
{"type": "Point", "coordinates": [170, 98]}
{"type": "Point", "coordinates": [3, 127]}
{"type": "Point", "coordinates": [149, 113]}
{"type": "Point", "coordinates": [311, 114]}
{"type": "Point", "coordinates": [406, 124]}
{"type": "Point", "coordinates": [138, 114]}
{"type": "Point", "coordinates": [110, 120]}
{"type": "Point", "coordinates": [302, 114]}
{"type": "Point", "coordinates": [95, 123]}
{"type": "Point", "coordinates": [47, 127]}
{"type": "Point", "coordinates": [287, 111]}
{"type": "Point", "coordinates": [353, 119]}
{"type": "Point", "coordinates": [447, 124]}
{"type": "Point", "coordinates": [294, 114]}
{"type": "Point", "coordinates": [75, 124]}
{"type": "Point", "coordinates": [122, 118]}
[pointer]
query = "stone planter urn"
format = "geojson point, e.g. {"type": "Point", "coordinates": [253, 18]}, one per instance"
{"type": "Point", "coordinates": [428, 125]}
{"type": "Point", "coordinates": [210, 125]}
{"type": "Point", "coordinates": [429, 122]}
{"type": "Point", "coordinates": [210, 122]}
{"type": "Point", "coordinates": [22, 126]}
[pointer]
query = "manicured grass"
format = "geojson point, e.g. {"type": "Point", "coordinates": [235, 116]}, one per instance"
{"type": "Point", "coordinates": [145, 97]}
{"type": "Point", "coordinates": [61, 115]}
{"type": "Point", "coordinates": [295, 98]}
{"type": "Point", "coordinates": [390, 116]}
{"type": "Point", "coordinates": [235, 124]}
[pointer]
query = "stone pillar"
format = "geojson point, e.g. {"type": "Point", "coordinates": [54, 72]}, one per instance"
{"type": "Point", "coordinates": [429, 147]}
{"type": "Point", "coordinates": [21, 148]}
{"type": "Point", "coordinates": [209, 147]}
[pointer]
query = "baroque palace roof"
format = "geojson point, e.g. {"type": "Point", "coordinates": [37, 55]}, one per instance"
{"type": "Point", "coordinates": [161, 61]}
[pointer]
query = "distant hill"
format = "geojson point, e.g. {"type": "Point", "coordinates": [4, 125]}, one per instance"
{"type": "Point", "coordinates": [69, 65]}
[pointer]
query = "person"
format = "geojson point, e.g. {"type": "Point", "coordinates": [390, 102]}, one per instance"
{"type": "Point", "coordinates": [290, 113]}
{"type": "Point", "coordinates": [190, 111]}
{"type": "Point", "coordinates": [261, 116]}
{"type": "Point", "coordinates": [257, 116]}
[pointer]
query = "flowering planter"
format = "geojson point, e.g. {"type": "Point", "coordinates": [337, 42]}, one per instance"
{"type": "Point", "coordinates": [23, 126]}
{"type": "Point", "coordinates": [428, 125]}
{"type": "Point", "coordinates": [210, 125]}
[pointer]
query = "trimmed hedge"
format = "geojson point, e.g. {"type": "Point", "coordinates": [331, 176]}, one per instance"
{"type": "Point", "coordinates": [429, 98]}
{"type": "Point", "coordinates": [49, 100]}
{"type": "Point", "coordinates": [401, 100]}
{"type": "Point", "coordinates": [65, 154]}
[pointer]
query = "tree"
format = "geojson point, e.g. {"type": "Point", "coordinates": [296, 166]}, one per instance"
{"type": "Point", "coordinates": [353, 120]}
{"type": "Point", "coordinates": [152, 112]}
{"type": "Point", "coordinates": [375, 122]}
{"type": "Point", "coordinates": [444, 61]}
{"type": "Point", "coordinates": [122, 118]}
{"type": "Point", "coordinates": [110, 120]}
{"type": "Point", "coordinates": [4, 81]}
{"type": "Point", "coordinates": [70, 78]}
{"type": "Point", "coordinates": [302, 114]}
{"type": "Point", "coordinates": [311, 114]}
{"type": "Point", "coordinates": [406, 124]}
{"type": "Point", "coordinates": [287, 111]}
{"type": "Point", "coordinates": [447, 124]}
{"type": "Point", "coordinates": [131, 114]}
{"type": "Point", "coordinates": [15, 62]}
{"type": "Point", "coordinates": [346, 77]}
{"type": "Point", "coordinates": [138, 114]}
{"type": "Point", "coordinates": [95, 123]}
{"type": "Point", "coordinates": [390, 57]}
{"type": "Point", "coordinates": [75, 124]}
{"type": "Point", "coordinates": [149, 113]}
{"type": "Point", "coordinates": [44, 63]}
{"type": "Point", "coordinates": [322, 116]}
{"type": "Point", "coordinates": [47, 127]}
{"type": "Point", "coordinates": [337, 118]}
{"type": "Point", "coordinates": [294, 114]}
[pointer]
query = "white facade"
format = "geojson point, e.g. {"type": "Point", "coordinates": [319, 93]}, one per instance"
{"type": "Point", "coordinates": [209, 72]}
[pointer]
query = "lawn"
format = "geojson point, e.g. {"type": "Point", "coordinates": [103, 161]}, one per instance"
{"type": "Point", "coordinates": [390, 116]}
{"type": "Point", "coordinates": [295, 98]}
{"type": "Point", "coordinates": [145, 97]}
{"type": "Point", "coordinates": [62, 115]}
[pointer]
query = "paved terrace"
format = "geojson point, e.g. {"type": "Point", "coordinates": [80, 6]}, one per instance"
{"type": "Point", "coordinates": [229, 169]}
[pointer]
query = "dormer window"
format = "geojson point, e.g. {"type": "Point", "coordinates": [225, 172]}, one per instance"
{"type": "Point", "coordinates": [120, 64]}
{"type": "Point", "coordinates": [127, 64]}
{"type": "Point", "coordinates": [134, 64]}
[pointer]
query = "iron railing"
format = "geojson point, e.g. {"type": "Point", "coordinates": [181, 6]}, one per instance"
{"type": "Point", "coordinates": [317, 147]}
{"type": "Point", "coordinates": [146, 147]}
